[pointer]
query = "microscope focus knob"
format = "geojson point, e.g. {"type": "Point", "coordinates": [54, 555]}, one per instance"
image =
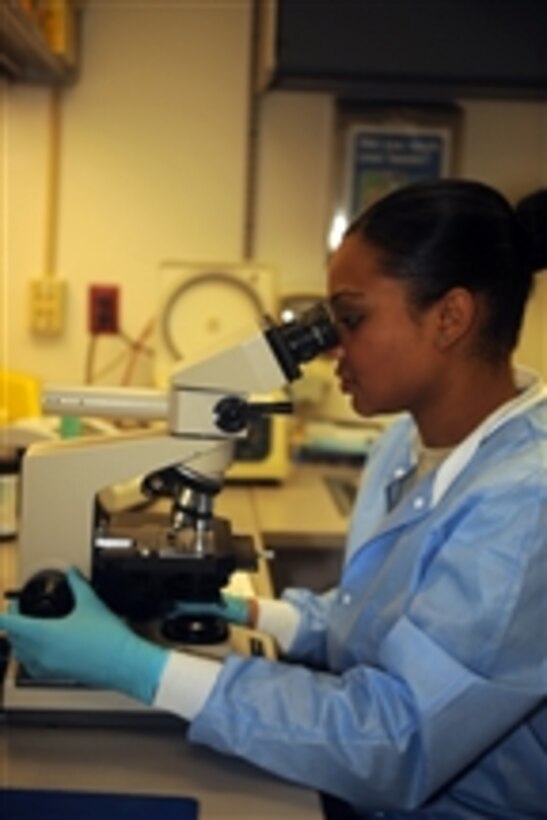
{"type": "Point", "coordinates": [231, 414]}
{"type": "Point", "coordinates": [46, 595]}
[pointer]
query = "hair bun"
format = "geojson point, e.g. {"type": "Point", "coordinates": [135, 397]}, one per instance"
{"type": "Point", "coordinates": [531, 214]}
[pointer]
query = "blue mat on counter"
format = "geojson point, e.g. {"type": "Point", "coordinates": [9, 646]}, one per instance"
{"type": "Point", "coordinates": [40, 804]}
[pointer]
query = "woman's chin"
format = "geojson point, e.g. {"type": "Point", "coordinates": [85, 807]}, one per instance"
{"type": "Point", "coordinates": [362, 406]}
{"type": "Point", "coordinates": [359, 405]}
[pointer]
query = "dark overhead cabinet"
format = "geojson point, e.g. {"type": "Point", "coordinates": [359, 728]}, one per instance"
{"type": "Point", "coordinates": [407, 49]}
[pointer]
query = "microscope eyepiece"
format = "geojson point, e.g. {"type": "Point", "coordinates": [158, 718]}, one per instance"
{"type": "Point", "coordinates": [302, 339]}
{"type": "Point", "coordinates": [311, 333]}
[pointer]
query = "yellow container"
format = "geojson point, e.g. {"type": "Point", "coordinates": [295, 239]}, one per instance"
{"type": "Point", "coordinates": [20, 396]}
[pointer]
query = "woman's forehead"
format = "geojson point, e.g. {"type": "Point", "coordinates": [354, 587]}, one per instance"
{"type": "Point", "coordinates": [353, 268]}
{"type": "Point", "coordinates": [354, 257]}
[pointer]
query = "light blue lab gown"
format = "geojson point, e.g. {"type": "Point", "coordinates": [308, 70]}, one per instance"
{"type": "Point", "coordinates": [430, 657]}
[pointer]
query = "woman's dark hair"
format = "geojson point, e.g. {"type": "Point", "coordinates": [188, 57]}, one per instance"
{"type": "Point", "coordinates": [438, 235]}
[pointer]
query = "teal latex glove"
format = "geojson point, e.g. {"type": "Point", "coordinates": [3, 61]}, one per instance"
{"type": "Point", "coordinates": [232, 608]}
{"type": "Point", "coordinates": [90, 645]}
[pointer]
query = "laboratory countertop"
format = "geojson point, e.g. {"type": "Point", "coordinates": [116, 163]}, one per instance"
{"type": "Point", "coordinates": [309, 509]}
{"type": "Point", "coordinates": [129, 761]}
{"type": "Point", "coordinates": [303, 512]}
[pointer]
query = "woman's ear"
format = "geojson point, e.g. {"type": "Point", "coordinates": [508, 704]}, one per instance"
{"type": "Point", "coordinates": [457, 311]}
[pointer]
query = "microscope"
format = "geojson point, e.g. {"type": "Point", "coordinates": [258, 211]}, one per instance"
{"type": "Point", "coordinates": [186, 553]}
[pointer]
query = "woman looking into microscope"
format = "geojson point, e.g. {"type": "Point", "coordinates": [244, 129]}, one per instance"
{"type": "Point", "coordinates": [417, 687]}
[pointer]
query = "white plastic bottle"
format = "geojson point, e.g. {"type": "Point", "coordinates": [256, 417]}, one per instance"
{"type": "Point", "coordinates": [10, 463]}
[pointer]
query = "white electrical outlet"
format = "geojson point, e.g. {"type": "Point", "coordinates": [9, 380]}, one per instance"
{"type": "Point", "coordinates": [47, 305]}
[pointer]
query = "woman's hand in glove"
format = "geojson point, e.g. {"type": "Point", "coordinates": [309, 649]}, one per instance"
{"type": "Point", "coordinates": [90, 645]}
{"type": "Point", "coordinates": [231, 608]}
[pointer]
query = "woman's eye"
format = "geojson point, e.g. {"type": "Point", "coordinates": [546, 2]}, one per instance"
{"type": "Point", "coordinates": [350, 321]}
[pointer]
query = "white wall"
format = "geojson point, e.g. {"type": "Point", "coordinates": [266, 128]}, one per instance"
{"type": "Point", "coordinates": [154, 166]}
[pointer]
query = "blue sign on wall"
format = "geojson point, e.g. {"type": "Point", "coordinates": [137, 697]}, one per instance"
{"type": "Point", "coordinates": [380, 160]}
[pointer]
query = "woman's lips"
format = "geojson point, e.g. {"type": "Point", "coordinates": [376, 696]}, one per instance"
{"type": "Point", "coordinates": [347, 385]}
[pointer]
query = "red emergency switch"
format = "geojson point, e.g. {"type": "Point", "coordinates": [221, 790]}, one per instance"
{"type": "Point", "coordinates": [103, 309]}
